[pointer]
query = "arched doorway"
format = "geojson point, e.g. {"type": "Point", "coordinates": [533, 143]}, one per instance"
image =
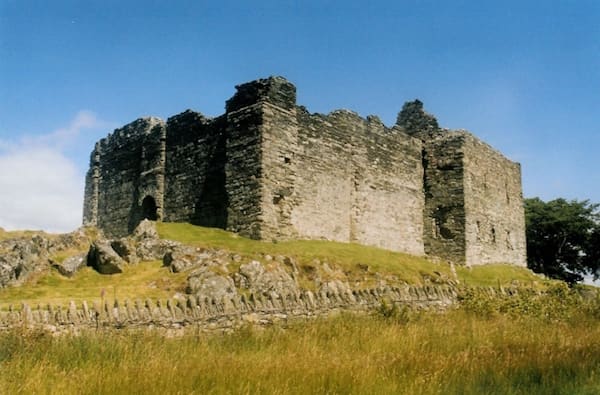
{"type": "Point", "coordinates": [149, 209]}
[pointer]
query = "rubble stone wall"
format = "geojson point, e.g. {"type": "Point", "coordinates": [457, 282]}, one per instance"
{"type": "Point", "coordinates": [280, 164]}
{"type": "Point", "coordinates": [221, 314]}
{"type": "Point", "coordinates": [195, 170]}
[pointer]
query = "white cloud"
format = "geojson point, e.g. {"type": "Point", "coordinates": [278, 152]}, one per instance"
{"type": "Point", "coordinates": [40, 187]}
{"type": "Point", "coordinates": [64, 137]}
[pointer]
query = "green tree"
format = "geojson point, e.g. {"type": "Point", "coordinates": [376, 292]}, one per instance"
{"type": "Point", "coordinates": [563, 238]}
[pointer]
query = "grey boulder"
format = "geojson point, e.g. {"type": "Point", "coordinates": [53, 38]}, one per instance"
{"type": "Point", "coordinates": [255, 277]}
{"type": "Point", "coordinates": [210, 285]}
{"type": "Point", "coordinates": [104, 259]}
{"type": "Point", "coordinates": [71, 265]}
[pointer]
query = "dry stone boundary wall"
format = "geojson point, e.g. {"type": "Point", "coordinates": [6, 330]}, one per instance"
{"type": "Point", "coordinates": [227, 313]}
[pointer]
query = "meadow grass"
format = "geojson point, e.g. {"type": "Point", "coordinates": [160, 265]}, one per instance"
{"type": "Point", "coordinates": [496, 275]}
{"type": "Point", "coordinates": [140, 281]}
{"type": "Point", "coordinates": [429, 353]}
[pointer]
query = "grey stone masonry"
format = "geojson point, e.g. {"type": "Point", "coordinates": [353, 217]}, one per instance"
{"type": "Point", "coordinates": [125, 183]}
{"type": "Point", "coordinates": [228, 312]}
{"type": "Point", "coordinates": [269, 169]}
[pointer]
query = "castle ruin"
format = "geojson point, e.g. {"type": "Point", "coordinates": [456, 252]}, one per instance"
{"type": "Point", "coordinates": [268, 169]}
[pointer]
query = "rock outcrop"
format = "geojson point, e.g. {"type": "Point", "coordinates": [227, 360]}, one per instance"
{"type": "Point", "coordinates": [110, 256]}
{"type": "Point", "coordinates": [30, 253]}
{"type": "Point", "coordinates": [184, 258]}
{"type": "Point", "coordinates": [208, 284]}
{"type": "Point", "coordinates": [255, 277]}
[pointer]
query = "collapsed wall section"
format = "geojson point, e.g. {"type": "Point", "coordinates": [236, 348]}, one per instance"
{"type": "Point", "coordinates": [495, 219]}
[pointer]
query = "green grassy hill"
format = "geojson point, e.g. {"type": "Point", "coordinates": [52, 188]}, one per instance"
{"type": "Point", "coordinates": [361, 266]}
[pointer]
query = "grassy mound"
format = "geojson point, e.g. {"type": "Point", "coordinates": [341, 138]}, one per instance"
{"type": "Point", "coordinates": [351, 257]}
{"type": "Point", "coordinates": [355, 263]}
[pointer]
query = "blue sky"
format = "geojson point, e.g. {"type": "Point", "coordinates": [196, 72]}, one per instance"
{"type": "Point", "coordinates": [522, 75]}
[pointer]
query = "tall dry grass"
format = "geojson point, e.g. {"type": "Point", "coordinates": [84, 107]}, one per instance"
{"type": "Point", "coordinates": [391, 352]}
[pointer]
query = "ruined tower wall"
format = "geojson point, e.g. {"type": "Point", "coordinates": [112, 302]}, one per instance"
{"type": "Point", "coordinates": [127, 166]}
{"type": "Point", "coordinates": [151, 182]}
{"type": "Point", "coordinates": [358, 182]}
{"type": "Point", "coordinates": [90, 193]}
{"type": "Point", "coordinates": [195, 170]}
{"type": "Point", "coordinates": [495, 226]}
{"type": "Point", "coordinates": [260, 170]}
{"type": "Point", "coordinates": [473, 203]}
{"type": "Point", "coordinates": [279, 169]}
{"type": "Point", "coordinates": [243, 171]}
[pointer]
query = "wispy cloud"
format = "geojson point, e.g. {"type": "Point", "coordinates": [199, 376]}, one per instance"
{"type": "Point", "coordinates": [41, 187]}
{"type": "Point", "coordinates": [61, 137]}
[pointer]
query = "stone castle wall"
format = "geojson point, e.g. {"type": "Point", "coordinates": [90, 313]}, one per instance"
{"type": "Point", "coordinates": [126, 167]}
{"type": "Point", "coordinates": [281, 167]}
{"type": "Point", "coordinates": [195, 170]}
{"type": "Point", "coordinates": [444, 190]}
{"type": "Point", "coordinates": [268, 169]}
{"type": "Point", "coordinates": [495, 217]}
{"type": "Point", "coordinates": [359, 182]}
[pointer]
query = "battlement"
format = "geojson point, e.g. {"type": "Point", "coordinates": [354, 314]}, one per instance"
{"type": "Point", "coordinates": [269, 169]}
